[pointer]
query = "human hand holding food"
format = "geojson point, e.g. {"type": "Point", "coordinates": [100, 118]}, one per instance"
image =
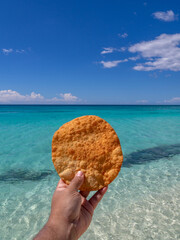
{"type": "Point", "coordinates": [90, 148]}
{"type": "Point", "coordinates": [71, 212]}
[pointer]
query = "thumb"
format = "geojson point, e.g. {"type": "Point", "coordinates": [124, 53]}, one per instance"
{"type": "Point", "coordinates": [77, 181]}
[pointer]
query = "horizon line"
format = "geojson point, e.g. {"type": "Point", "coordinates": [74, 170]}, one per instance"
{"type": "Point", "coordinates": [21, 104]}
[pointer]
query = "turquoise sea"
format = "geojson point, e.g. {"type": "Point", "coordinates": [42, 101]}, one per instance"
{"type": "Point", "coordinates": [142, 203]}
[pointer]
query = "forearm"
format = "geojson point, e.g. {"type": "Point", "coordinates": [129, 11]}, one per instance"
{"type": "Point", "coordinates": [52, 232]}
{"type": "Point", "coordinates": [47, 233]}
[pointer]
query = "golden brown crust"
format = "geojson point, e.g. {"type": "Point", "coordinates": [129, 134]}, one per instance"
{"type": "Point", "coordinates": [88, 144]}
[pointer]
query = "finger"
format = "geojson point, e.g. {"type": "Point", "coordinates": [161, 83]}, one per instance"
{"type": "Point", "coordinates": [77, 181]}
{"type": "Point", "coordinates": [61, 184]}
{"type": "Point", "coordinates": [84, 193]}
{"type": "Point", "coordinates": [88, 207]}
{"type": "Point", "coordinates": [96, 198]}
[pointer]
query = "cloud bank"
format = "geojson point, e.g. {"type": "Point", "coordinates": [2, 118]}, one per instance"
{"type": "Point", "coordinates": [13, 97]}
{"type": "Point", "coordinates": [162, 53]}
{"type": "Point", "coordinates": [68, 97]}
{"type": "Point", "coordinates": [173, 100]}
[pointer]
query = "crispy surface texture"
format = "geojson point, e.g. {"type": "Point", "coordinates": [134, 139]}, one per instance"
{"type": "Point", "coordinates": [91, 145]}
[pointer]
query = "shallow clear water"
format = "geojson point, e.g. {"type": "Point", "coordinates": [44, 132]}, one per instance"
{"type": "Point", "coordinates": [143, 201]}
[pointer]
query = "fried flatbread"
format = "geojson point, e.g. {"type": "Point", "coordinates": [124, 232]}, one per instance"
{"type": "Point", "coordinates": [91, 145]}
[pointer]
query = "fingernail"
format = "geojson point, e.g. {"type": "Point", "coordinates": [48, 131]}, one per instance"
{"type": "Point", "coordinates": [104, 189]}
{"type": "Point", "coordinates": [79, 174]}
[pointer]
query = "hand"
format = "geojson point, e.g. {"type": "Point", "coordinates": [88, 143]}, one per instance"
{"type": "Point", "coordinates": [71, 212]}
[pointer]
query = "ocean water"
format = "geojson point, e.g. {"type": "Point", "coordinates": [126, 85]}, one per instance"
{"type": "Point", "coordinates": [142, 203]}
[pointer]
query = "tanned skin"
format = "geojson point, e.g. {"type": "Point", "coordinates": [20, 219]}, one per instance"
{"type": "Point", "coordinates": [71, 213]}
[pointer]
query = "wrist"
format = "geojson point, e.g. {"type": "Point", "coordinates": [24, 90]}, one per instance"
{"type": "Point", "coordinates": [62, 229]}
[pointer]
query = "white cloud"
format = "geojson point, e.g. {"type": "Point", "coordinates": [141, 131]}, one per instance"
{"type": "Point", "coordinates": [10, 50]}
{"type": "Point", "coordinates": [168, 75]}
{"type": "Point", "coordinates": [122, 49]}
{"type": "Point", "coordinates": [20, 51]}
{"type": "Point", "coordinates": [68, 97]}
{"type": "Point", "coordinates": [134, 58]}
{"type": "Point", "coordinates": [142, 101]}
{"type": "Point", "coordinates": [168, 16]}
{"type": "Point", "coordinates": [110, 64]}
{"type": "Point", "coordinates": [36, 96]}
{"type": "Point", "coordinates": [124, 35]}
{"type": "Point", "coordinates": [173, 100]}
{"type": "Point", "coordinates": [107, 50]}
{"type": "Point", "coordinates": [7, 51]}
{"type": "Point", "coordinates": [111, 50]}
{"type": "Point", "coordinates": [162, 53]}
{"type": "Point", "coordinates": [12, 97]}
{"type": "Point", "coordinates": [153, 75]}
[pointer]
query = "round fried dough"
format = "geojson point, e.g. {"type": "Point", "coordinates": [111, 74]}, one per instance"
{"type": "Point", "coordinates": [91, 145]}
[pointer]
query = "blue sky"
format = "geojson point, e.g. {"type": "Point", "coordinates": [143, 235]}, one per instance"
{"type": "Point", "coordinates": [90, 52]}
